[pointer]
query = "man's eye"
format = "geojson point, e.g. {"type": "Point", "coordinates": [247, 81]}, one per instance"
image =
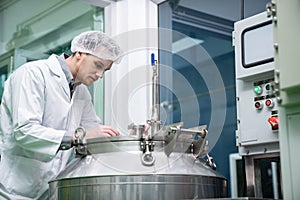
{"type": "Point", "coordinates": [99, 66]}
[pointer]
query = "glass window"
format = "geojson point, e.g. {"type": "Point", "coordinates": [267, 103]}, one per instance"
{"type": "Point", "coordinates": [257, 46]}
{"type": "Point", "coordinates": [198, 72]}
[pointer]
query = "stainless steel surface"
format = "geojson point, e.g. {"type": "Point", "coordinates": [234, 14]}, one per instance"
{"type": "Point", "coordinates": [114, 169]}
{"type": "Point", "coordinates": [140, 187]}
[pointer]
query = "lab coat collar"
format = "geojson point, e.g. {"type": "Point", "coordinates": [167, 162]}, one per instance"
{"type": "Point", "coordinates": [55, 68]}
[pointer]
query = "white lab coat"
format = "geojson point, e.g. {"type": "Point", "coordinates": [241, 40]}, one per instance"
{"type": "Point", "coordinates": [36, 111]}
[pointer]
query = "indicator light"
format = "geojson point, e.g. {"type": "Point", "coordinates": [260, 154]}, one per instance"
{"type": "Point", "coordinates": [268, 86]}
{"type": "Point", "coordinates": [257, 89]}
{"type": "Point", "coordinates": [258, 105]}
{"type": "Point", "coordinates": [269, 103]}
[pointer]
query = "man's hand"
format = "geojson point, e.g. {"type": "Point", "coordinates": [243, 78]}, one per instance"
{"type": "Point", "coordinates": [101, 131]}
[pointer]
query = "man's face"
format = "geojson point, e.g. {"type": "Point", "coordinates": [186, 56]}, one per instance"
{"type": "Point", "coordinates": [91, 68]}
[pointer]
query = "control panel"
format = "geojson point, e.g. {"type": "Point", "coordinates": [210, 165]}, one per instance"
{"type": "Point", "coordinates": [265, 98]}
{"type": "Point", "coordinates": [257, 109]}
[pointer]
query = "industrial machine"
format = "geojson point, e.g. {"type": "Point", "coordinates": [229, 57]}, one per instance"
{"type": "Point", "coordinates": [169, 162]}
{"type": "Point", "coordinates": [257, 134]}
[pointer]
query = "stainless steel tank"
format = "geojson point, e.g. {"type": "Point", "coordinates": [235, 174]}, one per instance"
{"type": "Point", "coordinates": [166, 166]}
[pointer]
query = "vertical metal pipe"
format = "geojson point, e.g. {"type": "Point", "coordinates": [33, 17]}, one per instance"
{"type": "Point", "coordinates": [275, 180]}
{"type": "Point", "coordinates": [155, 117]}
{"type": "Point", "coordinates": [250, 176]}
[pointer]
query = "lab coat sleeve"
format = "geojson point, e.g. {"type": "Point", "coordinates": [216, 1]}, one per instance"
{"type": "Point", "coordinates": [28, 100]}
{"type": "Point", "coordinates": [89, 118]}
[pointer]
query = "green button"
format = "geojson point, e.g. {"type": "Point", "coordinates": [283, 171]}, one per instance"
{"type": "Point", "coordinates": [257, 90]}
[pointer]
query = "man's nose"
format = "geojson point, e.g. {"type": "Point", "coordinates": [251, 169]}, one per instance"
{"type": "Point", "coordinates": [99, 74]}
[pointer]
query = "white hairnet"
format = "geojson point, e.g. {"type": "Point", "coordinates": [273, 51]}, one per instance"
{"type": "Point", "coordinates": [98, 44]}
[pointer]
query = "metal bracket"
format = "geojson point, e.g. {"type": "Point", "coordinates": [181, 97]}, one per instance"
{"type": "Point", "coordinates": [210, 162]}
{"type": "Point", "coordinates": [271, 11]}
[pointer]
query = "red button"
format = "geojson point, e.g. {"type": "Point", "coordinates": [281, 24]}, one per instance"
{"type": "Point", "coordinates": [269, 103]}
{"type": "Point", "coordinates": [274, 122]}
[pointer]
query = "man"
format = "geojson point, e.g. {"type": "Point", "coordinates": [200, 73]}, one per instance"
{"type": "Point", "coordinates": [43, 104]}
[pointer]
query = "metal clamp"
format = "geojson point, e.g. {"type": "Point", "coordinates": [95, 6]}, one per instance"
{"type": "Point", "coordinates": [79, 143]}
{"type": "Point", "coordinates": [147, 158]}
